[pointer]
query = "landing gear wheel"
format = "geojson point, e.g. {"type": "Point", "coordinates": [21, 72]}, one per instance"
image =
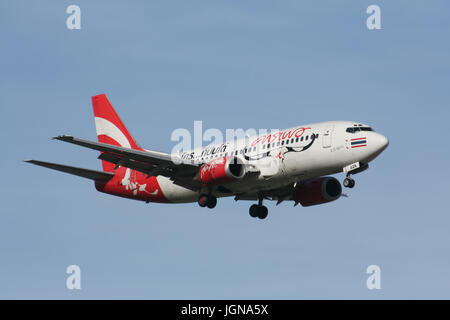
{"type": "Point", "coordinates": [349, 183]}
{"type": "Point", "coordinates": [352, 183]}
{"type": "Point", "coordinates": [212, 201]}
{"type": "Point", "coordinates": [207, 201]}
{"type": "Point", "coordinates": [258, 210]}
{"type": "Point", "coordinates": [263, 212]}
{"type": "Point", "coordinates": [346, 182]}
{"type": "Point", "coordinates": [203, 200]}
{"type": "Point", "coordinates": [253, 210]}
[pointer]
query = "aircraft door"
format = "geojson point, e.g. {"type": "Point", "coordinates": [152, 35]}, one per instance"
{"type": "Point", "coordinates": [327, 134]}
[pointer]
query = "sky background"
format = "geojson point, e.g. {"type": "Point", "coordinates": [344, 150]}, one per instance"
{"type": "Point", "coordinates": [231, 64]}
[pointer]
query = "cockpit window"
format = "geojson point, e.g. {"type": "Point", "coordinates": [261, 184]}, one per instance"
{"type": "Point", "coordinates": [356, 129]}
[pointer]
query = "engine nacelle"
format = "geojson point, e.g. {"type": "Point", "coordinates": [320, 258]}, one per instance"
{"type": "Point", "coordinates": [318, 191]}
{"type": "Point", "coordinates": [221, 171]}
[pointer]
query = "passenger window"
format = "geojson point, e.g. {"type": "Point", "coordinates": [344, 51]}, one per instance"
{"type": "Point", "coordinates": [306, 138]}
{"type": "Point", "coordinates": [301, 139]}
{"type": "Point", "coordinates": [296, 140]}
{"type": "Point", "coordinates": [278, 143]}
{"type": "Point", "coordinates": [282, 143]}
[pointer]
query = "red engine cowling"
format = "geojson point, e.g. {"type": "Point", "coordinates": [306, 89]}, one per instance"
{"type": "Point", "coordinates": [318, 191]}
{"type": "Point", "coordinates": [222, 170]}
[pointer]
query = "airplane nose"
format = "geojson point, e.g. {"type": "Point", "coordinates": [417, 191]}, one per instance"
{"type": "Point", "coordinates": [380, 142]}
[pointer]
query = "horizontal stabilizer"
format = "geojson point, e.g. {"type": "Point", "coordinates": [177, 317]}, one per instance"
{"type": "Point", "coordinates": [85, 173]}
{"type": "Point", "coordinates": [105, 147]}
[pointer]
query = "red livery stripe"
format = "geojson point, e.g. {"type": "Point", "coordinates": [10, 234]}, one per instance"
{"type": "Point", "coordinates": [358, 139]}
{"type": "Point", "coordinates": [359, 145]}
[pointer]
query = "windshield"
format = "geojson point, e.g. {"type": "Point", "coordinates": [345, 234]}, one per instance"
{"type": "Point", "coordinates": [356, 129]}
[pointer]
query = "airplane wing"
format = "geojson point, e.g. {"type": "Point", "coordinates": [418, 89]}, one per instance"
{"type": "Point", "coordinates": [151, 163]}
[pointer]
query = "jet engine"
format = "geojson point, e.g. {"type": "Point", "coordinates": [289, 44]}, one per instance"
{"type": "Point", "coordinates": [318, 191]}
{"type": "Point", "coordinates": [222, 170]}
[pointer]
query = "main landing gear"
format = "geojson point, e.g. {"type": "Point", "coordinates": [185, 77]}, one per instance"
{"type": "Point", "coordinates": [349, 182]}
{"type": "Point", "coordinates": [258, 210]}
{"type": "Point", "coordinates": [207, 201]}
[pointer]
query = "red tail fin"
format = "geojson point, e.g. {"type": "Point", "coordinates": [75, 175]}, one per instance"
{"type": "Point", "coordinates": [110, 129]}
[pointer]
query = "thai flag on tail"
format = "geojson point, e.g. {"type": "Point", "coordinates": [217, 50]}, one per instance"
{"type": "Point", "coordinates": [359, 142]}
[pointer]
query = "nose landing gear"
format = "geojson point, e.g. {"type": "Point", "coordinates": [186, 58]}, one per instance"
{"type": "Point", "coordinates": [349, 182]}
{"type": "Point", "coordinates": [353, 168]}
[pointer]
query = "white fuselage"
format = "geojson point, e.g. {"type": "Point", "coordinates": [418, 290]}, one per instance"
{"type": "Point", "coordinates": [285, 157]}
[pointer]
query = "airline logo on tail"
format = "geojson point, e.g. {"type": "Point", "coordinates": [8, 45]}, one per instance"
{"type": "Point", "coordinates": [111, 130]}
{"type": "Point", "coordinates": [107, 128]}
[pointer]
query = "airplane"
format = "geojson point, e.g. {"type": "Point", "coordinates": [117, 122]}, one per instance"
{"type": "Point", "coordinates": [293, 164]}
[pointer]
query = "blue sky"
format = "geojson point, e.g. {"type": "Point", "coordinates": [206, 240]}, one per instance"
{"type": "Point", "coordinates": [231, 64]}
